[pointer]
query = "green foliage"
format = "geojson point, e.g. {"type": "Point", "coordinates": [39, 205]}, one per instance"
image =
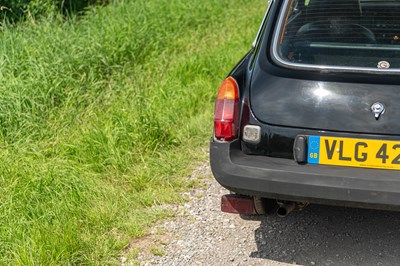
{"type": "Point", "coordinates": [16, 10]}
{"type": "Point", "coordinates": [102, 117]}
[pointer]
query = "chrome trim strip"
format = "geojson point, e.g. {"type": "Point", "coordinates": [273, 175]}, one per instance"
{"type": "Point", "coordinates": [262, 23]}
{"type": "Point", "coordinates": [354, 46]}
{"type": "Point", "coordinates": [321, 68]}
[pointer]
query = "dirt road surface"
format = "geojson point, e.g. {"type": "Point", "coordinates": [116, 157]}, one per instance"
{"type": "Point", "coordinates": [318, 235]}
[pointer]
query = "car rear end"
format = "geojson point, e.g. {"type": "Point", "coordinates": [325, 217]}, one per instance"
{"type": "Point", "coordinates": [310, 114]}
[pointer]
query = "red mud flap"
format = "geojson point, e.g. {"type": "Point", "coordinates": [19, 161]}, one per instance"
{"type": "Point", "coordinates": [239, 204]}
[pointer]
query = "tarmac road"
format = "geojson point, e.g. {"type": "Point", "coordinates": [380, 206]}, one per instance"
{"type": "Point", "coordinates": [321, 235]}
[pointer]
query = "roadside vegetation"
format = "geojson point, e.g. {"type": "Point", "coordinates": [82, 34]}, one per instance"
{"type": "Point", "coordinates": [14, 11]}
{"type": "Point", "coordinates": [103, 116]}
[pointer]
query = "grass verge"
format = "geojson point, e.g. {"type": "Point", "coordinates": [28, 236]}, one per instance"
{"type": "Point", "coordinates": [101, 118]}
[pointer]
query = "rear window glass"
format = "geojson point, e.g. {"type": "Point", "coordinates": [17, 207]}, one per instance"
{"type": "Point", "coordinates": [340, 33]}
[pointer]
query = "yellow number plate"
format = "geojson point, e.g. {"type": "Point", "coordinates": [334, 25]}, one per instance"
{"type": "Point", "coordinates": [383, 154]}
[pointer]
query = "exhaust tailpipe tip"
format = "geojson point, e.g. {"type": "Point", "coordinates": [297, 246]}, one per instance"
{"type": "Point", "coordinates": [285, 208]}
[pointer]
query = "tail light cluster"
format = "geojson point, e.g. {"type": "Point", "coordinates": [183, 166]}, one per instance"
{"type": "Point", "coordinates": [226, 113]}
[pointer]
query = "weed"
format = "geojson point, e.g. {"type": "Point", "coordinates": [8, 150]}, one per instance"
{"type": "Point", "coordinates": [156, 251]}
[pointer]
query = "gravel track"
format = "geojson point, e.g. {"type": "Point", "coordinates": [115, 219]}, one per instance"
{"type": "Point", "coordinates": [319, 235]}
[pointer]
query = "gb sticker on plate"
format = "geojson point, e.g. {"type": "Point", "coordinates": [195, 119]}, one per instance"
{"type": "Point", "coordinates": [313, 149]}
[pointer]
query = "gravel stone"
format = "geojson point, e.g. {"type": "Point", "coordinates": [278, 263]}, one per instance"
{"type": "Point", "coordinates": [319, 235]}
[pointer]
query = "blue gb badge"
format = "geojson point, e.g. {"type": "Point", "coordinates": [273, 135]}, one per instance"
{"type": "Point", "coordinates": [313, 149]}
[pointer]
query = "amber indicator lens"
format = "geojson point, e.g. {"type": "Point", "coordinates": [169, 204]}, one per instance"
{"type": "Point", "coordinates": [226, 111]}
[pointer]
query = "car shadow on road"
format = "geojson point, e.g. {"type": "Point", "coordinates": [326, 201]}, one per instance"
{"type": "Point", "coordinates": [324, 235]}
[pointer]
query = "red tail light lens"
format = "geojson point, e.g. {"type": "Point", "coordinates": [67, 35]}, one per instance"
{"type": "Point", "coordinates": [226, 112]}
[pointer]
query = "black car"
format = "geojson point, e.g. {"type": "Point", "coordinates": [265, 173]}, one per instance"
{"type": "Point", "coordinates": [312, 113]}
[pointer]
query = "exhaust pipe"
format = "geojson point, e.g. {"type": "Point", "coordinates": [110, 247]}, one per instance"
{"type": "Point", "coordinates": [285, 208]}
{"type": "Point", "coordinates": [241, 204]}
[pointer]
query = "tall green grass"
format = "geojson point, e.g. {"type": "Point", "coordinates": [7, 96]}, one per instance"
{"type": "Point", "coordinates": [102, 118]}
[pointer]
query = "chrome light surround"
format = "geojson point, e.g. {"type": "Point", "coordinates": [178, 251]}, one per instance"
{"type": "Point", "coordinates": [252, 134]}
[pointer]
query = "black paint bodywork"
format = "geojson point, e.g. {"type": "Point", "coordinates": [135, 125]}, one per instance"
{"type": "Point", "coordinates": [286, 103]}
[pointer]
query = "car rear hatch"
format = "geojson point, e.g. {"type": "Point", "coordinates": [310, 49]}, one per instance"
{"type": "Point", "coordinates": [324, 105]}
{"type": "Point", "coordinates": [335, 37]}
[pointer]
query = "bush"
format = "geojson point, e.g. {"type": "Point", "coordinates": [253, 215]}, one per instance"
{"type": "Point", "coordinates": [17, 10]}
